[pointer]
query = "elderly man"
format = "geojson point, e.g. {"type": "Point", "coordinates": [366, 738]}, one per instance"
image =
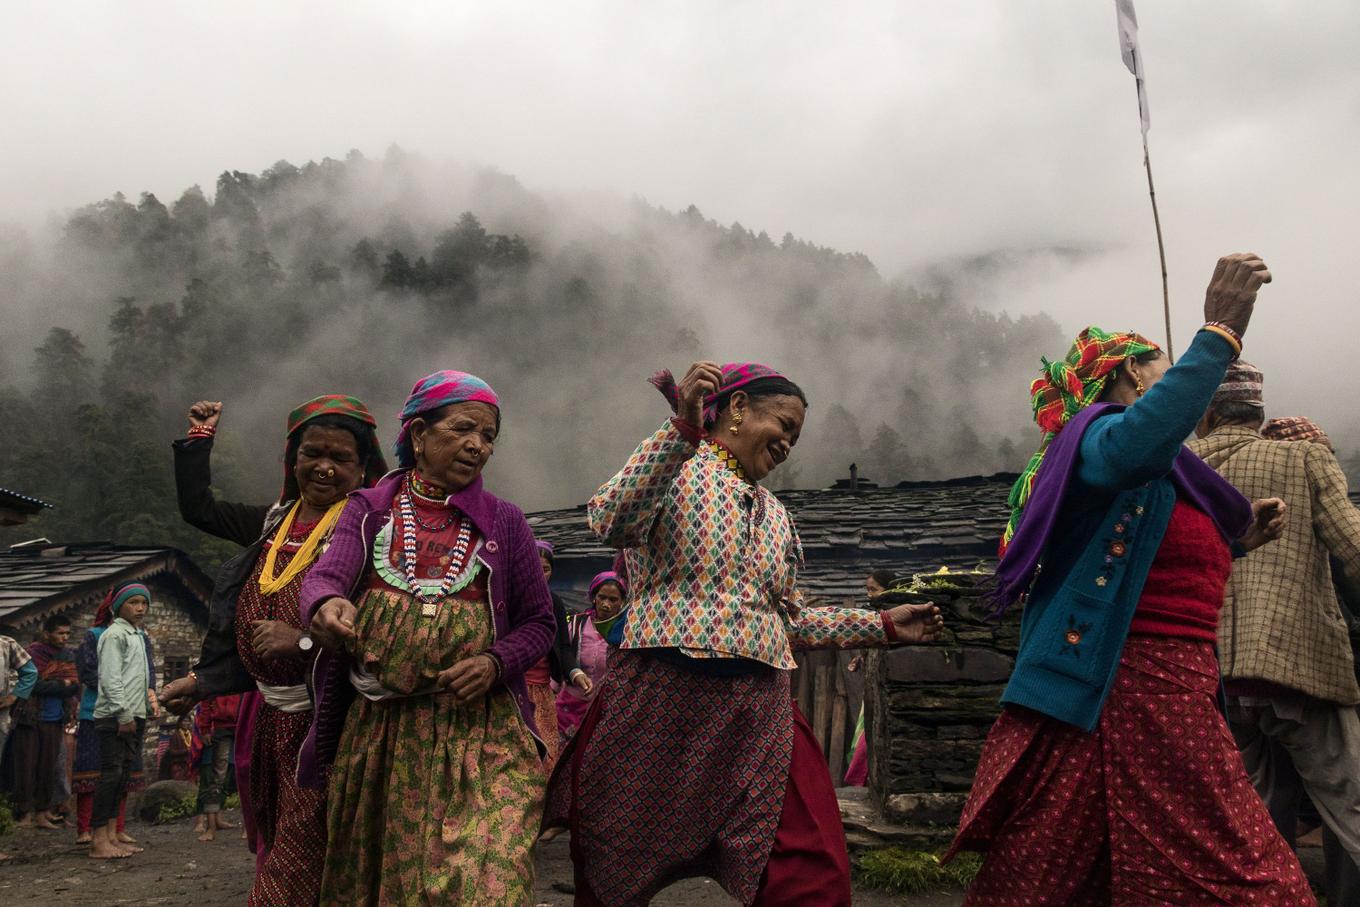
{"type": "Point", "coordinates": [1284, 646]}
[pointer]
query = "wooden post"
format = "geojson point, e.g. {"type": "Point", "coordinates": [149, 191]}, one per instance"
{"type": "Point", "coordinates": [821, 704]}
{"type": "Point", "coordinates": [836, 757]}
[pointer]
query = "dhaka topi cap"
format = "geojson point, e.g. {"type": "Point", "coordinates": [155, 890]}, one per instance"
{"type": "Point", "coordinates": [1295, 428]}
{"type": "Point", "coordinates": [435, 392]}
{"type": "Point", "coordinates": [1242, 383]}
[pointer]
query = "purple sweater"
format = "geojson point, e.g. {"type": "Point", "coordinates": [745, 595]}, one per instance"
{"type": "Point", "coordinates": [521, 605]}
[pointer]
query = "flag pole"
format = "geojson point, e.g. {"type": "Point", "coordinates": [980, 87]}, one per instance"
{"type": "Point", "coordinates": [1161, 250]}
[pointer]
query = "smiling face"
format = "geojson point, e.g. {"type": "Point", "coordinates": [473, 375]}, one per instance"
{"type": "Point", "coordinates": [608, 601]}
{"type": "Point", "coordinates": [767, 430]}
{"type": "Point", "coordinates": [328, 466]}
{"type": "Point", "coordinates": [453, 444]}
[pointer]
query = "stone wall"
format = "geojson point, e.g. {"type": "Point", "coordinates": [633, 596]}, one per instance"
{"type": "Point", "coordinates": [928, 710]}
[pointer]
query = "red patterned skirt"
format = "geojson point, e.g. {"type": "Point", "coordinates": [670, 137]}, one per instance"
{"type": "Point", "coordinates": [1154, 807]}
{"type": "Point", "coordinates": [675, 774]}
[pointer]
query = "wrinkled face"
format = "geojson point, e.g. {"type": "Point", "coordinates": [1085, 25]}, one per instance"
{"type": "Point", "coordinates": [546, 563]}
{"type": "Point", "coordinates": [328, 466]}
{"type": "Point", "coordinates": [608, 601]}
{"type": "Point", "coordinates": [453, 446]}
{"type": "Point", "coordinates": [134, 609]}
{"type": "Point", "coordinates": [769, 429]}
{"type": "Point", "coordinates": [59, 636]}
{"type": "Point", "coordinates": [873, 587]}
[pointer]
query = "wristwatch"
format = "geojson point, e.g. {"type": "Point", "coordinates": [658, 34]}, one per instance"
{"type": "Point", "coordinates": [305, 642]}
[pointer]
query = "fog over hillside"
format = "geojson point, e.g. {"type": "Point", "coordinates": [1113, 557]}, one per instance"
{"type": "Point", "coordinates": [362, 275]}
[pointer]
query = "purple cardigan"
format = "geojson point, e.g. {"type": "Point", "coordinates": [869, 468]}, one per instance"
{"type": "Point", "coordinates": [521, 605]}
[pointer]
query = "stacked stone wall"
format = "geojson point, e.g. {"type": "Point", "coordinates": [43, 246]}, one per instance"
{"type": "Point", "coordinates": [928, 710]}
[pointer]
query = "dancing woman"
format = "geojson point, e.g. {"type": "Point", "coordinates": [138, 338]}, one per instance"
{"type": "Point", "coordinates": [694, 760]}
{"type": "Point", "coordinates": [1111, 776]}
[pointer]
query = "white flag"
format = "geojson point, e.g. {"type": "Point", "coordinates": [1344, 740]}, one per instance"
{"type": "Point", "coordinates": [1133, 57]}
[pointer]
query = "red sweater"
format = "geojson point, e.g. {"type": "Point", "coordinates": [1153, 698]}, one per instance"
{"type": "Point", "coordinates": [1184, 588]}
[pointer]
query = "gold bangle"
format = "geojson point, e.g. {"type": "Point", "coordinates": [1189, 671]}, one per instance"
{"type": "Point", "coordinates": [1232, 341]}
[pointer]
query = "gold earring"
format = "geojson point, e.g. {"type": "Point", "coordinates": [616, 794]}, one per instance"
{"type": "Point", "coordinates": [1138, 383]}
{"type": "Point", "coordinates": [736, 422]}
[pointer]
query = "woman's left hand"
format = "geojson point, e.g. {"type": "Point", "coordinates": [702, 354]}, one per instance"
{"type": "Point", "coordinates": [916, 623]}
{"type": "Point", "coordinates": [1267, 523]}
{"type": "Point", "coordinates": [469, 678]}
{"type": "Point", "coordinates": [581, 681]}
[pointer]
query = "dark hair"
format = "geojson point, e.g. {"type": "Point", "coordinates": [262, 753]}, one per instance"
{"type": "Point", "coordinates": [761, 387]}
{"type": "Point", "coordinates": [365, 439]}
{"type": "Point", "coordinates": [54, 621]}
{"type": "Point", "coordinates": [1237, 412]}
{"type": "Point", "coordinates": [1141, 358]}
{"type": "Point", "coordinates": [885, 578]}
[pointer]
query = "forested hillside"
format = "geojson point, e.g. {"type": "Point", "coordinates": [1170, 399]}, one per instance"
{"type": "Point", "coordinates": [361, 275]}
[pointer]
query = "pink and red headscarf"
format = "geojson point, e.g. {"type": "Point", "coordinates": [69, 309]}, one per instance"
{"type": "Point", "coordinates": [608, 576]}
{"type": "Point", "coordinates": [735, 375]}
{"type": "Point", "coordinates": [434, 392]}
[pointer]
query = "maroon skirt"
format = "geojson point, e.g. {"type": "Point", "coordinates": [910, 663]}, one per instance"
{"type": "Point", "coordinates": [1153, 807]}
{"type": "Point", "coordinates": [675, 774]}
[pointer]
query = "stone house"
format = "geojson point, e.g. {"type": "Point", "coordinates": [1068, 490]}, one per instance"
{"type": "Point", "coordinates": [847, 531]}
{"type": "Point", "coordinates": [40, 579]}
{"type": "Point", "coordinates": [17, 509]}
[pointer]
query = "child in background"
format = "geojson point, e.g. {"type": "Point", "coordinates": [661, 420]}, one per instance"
{"type": "Point", "coordinates": [122, 705]}
{"type": "Point", "coordinates": [217, 723]}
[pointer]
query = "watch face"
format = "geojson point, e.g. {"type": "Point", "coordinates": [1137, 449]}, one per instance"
{"type": "Point", "coordinates": [305, 643]}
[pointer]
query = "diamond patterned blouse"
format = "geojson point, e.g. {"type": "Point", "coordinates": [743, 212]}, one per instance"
{"type": "Point", "coordinates": [713, 560]}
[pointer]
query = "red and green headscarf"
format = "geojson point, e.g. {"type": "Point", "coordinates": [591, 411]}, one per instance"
{"type": "Point", "coordinates": [1065, 388]}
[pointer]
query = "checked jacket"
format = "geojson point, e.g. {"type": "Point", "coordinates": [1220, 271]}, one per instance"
{"type": "Point", "coordinates": [713, 560]}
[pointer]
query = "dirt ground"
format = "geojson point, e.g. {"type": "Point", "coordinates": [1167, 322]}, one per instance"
{"type": "Point", "coordinates": [176, 869]}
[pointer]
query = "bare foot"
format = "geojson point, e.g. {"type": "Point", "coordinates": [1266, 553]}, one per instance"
{"type": "Point", "coordinates": [550, 833]}
{"type": "Point", "coordinates": [45, 823]}
{"type": "Point", "coordinates": [223, 823]}
{"type": "Point", "coordinates": [25, 822]}
{"type": "Point", "coordinates": [84, 838]}
{"type": "Point", "coordinates": [207, 835]}
{"type": "Point", "coordinates": [106, 851]}
{"type": "Point", "coordinates": [125, 838]}
{"type": "Point", "coordinates": [200, 825]}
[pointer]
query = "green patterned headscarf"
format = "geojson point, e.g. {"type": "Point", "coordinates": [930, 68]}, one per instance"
{"type": "Point", "coordinates": [1065, 388]}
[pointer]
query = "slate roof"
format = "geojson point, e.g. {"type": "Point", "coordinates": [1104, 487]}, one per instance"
{"type": "Point", "coordinates": [906, 528]}
{"type": "Point", "coordinates": [21, 502]}
{"type": "Point", "coordinates": [38, 580]}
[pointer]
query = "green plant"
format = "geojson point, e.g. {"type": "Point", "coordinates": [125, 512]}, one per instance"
{"type": "Point", "coordinates": [6, 817]}
{"type": "Point", "coordinates": [233, 801]}
{"type": "Point", "coordinates": [177, 809]}
{"type": "Point", "coordinates": [902, 871]}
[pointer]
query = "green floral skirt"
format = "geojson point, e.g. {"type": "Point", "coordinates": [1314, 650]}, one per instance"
{"type": "Point", "coordinates": [430, 802]}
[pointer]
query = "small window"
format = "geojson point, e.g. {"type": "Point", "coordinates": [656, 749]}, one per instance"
{"type": "Point", "coordinates": [176, 666]}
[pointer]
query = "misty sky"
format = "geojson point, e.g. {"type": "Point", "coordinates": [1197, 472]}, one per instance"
{"type": "Point", "coordinates": [923, 133]}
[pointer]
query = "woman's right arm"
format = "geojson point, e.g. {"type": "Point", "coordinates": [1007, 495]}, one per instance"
{"type": "Point", "coordinates": [336, 572]}
{"type": "Point", "coordinates": [239, 523]}
{"type": "Point", "coordinates": [622, 512]}
{"type": "Point", "coordinates": [1141, 443]}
